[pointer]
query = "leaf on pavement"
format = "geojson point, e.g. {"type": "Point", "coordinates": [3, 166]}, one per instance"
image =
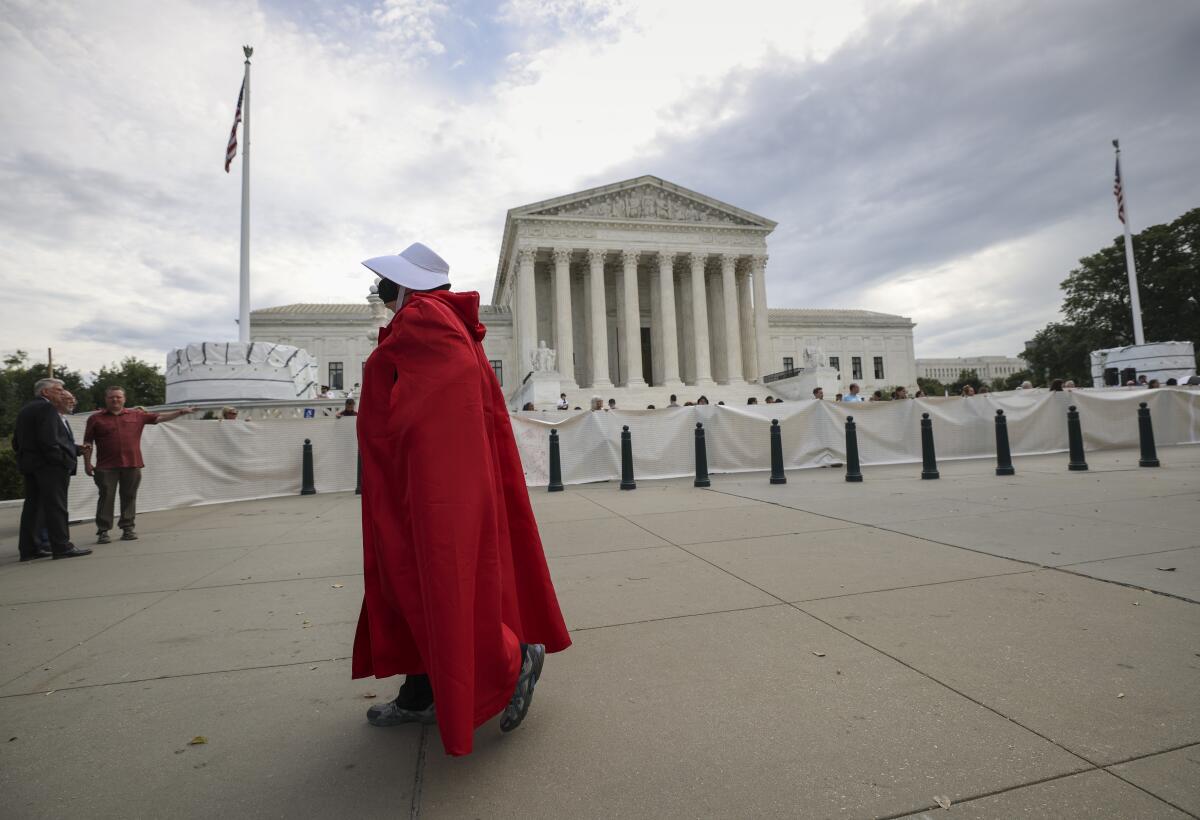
{"type": "Point", "coordinates": [942, 801]}
{"type": "Point", "coordinates": [336, 586]}
{"type": "Point", "coordinates": [198, 740]}
{"type": "Point", "coordinates": [1165, 569]}
{"type": "Point", "coordinates": [819, 654]}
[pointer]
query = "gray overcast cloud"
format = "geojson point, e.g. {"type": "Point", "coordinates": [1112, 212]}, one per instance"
{"type": "Point", "coordinates": [949, 161]}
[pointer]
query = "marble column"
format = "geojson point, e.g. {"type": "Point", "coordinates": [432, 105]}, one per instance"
{"type": "Point", "coordinates": [762, 334]}
{"type": "Point", "coordinates": [746, 324]}
{"type": "Point", "coordinates": [563, 333]}
{"type": "Point", "coordinates": [700, 320]}
{"type": "Point", "coordinates": [670, 344]}
{"type": "Point", "coordinates": [526, 311]}
{"type": "Point", "coordinates": [633, 320]}
{"type": "Point", "coordinates": [733, 336]}
{"type": "Point", "coordinates": [599, 319]}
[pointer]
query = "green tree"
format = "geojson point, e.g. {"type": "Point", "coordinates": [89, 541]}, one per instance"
{"type": "Point", "coordinates": [145, 385]}
{"type": "Point", "coordinates": [16, 387]}
{"type": "Point", "coordinates": [1060, 351]}
{"type": "Point", "coordinates": [965, 377]}
{"type": "Point", "coordinates": [1168, 269]}
{"type": "Point", "coordinates": [1015, 380]}
{"type": "Point", "coordinates": [931, 387]}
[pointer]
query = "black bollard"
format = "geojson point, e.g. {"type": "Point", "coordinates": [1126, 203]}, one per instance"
{"type": "Point", "coordinates": [358, 485]}
{"type": "Point", "coordinates": [1004, 465]}
{"type": "Point", "coordinates": [307, 485]}
{"type": "Point", "coordinates": [1146, 435]}
{"type": "Point", "coordinates": [929, 468]}
{"type": "Point", "coordinates": [777, 476]}
{"type": "Point", "coordinates": [627, 482]}
{"type": "Point", "coordinates": [853, 470]}
{"type": "Point", "coordinates": [701, 459]}
{"type": "Point", "coordinates": [1075, 440]}
{"type": "Point", "coordinates": [556, 485]}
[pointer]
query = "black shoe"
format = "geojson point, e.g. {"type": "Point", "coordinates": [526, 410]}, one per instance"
{"type": "Point", "coordinates": [36, 555]}
{"type": "Point", "coordinates": [129, 535]}
{"type": "Point", "coordinates": [532, 657]}
{"type": "Point", "coordinates": [102, 537]}
{"type": "Point", "coordinates": [72, 551]}
{"type": "Point", "coordinates": [390, 714]}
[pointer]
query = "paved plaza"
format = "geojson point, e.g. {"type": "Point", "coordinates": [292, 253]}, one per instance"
{"type": "Point", "coordinates": [1011, 647]}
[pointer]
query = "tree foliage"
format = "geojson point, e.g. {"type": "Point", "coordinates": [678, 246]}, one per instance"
{"type": "Point", "coordinates": [1015, 380]}
{"type": "Point", "coordinates": [1096, 300]}
{"type": "Point", "coordinates": [965, 377]}
{"type": "Point", "coordinates": [16, 387]}
{"type": "Point", "coordinates": [144, 383]}
{"type": "Point", "coordinates": [931, 387]}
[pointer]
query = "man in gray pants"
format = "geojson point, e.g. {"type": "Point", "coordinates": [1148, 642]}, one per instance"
{"type": "Point", "coordinates": [117, 433]}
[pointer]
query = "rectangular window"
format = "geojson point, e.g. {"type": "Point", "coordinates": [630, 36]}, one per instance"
{"type": "Point", "coordinates": [879, 367]}
{"type": "Point", "coordinates": [856, 367]}
{"type": "Point", "coordinates": [789, 363]}
{"type": "Point", "coordinates": [335, 376]}
{"type": "Point", "coordinates": [498, 369]}
{"type": "Point", "coordinates": [835, 363]}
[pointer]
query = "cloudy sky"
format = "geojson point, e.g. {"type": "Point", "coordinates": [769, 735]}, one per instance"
{"type": "Point", "coordinates": [949, 161]}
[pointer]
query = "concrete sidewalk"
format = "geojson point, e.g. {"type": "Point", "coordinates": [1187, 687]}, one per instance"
{"type": "Point", "coordinates": [816, 649]}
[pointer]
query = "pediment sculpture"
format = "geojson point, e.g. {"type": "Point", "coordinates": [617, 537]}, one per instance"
{"type": "Point", "coordinates": [646, 202]}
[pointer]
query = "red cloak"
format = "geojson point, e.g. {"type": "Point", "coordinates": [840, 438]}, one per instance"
{"type": "Point", "coordinates": [454, 571]}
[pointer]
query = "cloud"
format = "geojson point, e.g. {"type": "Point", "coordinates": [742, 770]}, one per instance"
{"type": "Point", "coordinates": [948, 161]}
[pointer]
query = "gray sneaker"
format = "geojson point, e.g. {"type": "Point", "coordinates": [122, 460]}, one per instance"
{"type": "Point", "coordinates": [389, 714]}
{"type": "Point", "coordinates": [102, 537]}
{"type": "Point", "coordinates": [129, 535]}
{"type": "Point", "coordinates": [533, 655]}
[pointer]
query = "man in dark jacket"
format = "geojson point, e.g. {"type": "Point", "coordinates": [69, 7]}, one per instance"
{"type": "Point", "coordinates": [46, 456]}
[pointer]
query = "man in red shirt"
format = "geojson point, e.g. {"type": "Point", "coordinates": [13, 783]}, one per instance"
{"type": "Point", "coordinates": [117, 433]}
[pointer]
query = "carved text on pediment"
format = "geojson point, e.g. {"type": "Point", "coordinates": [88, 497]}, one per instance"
{"type": "Point", "coordinates": [646, 202]}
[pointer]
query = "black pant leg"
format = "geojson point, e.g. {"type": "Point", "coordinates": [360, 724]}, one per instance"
{"type": "Point", "coordinates": [53, 483]}
{"type": "Point", "coordinates": [28, 541]}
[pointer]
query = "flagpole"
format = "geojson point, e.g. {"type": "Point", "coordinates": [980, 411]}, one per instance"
{"type": "Point", "coordinates": [244, 278]}
{"type": "Point", "coordinates": [1135, 302]}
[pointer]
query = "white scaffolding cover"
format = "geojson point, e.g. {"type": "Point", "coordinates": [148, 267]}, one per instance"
{"type": "Point", "coordinates": [240, 371]}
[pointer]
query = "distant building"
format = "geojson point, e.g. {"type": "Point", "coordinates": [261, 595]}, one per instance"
{"type": "Point", "coordinates": [989, 368]}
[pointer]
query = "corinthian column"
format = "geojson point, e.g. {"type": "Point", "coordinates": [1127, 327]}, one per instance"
{"type": "Point", "coordinates": [762, 336]}
{"type": "Point", "coordinates": [526, 311]}
{"type": "Point", "coordinates": [746, 322]}
{"type": "Point", "coordinates": [599, 319]}
{"type": "Point", "coordinates": [670, 342]}
{"type": "Point", "coordinates": [562, 317]}
{"type": "Point", "coordinates": [733, 335]}
{"type": "Point", "coordinates": [700, 320]}
{"type": "Point", "coordinates": [633, 320]}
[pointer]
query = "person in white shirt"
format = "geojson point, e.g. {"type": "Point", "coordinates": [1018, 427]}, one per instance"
{"type": "Point", "coordinates": [562, 402]}
{"type": "Point", "coordinates": [853, 394]}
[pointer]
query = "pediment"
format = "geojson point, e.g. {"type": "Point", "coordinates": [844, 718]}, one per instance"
{"type": "Point", "coordinates": [646, 199]}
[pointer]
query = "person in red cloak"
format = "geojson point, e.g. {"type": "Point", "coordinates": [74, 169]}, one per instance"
{"type": "Point", "coordinates": [457, 593]}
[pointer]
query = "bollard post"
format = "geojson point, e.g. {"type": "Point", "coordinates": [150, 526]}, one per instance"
{"type": "Point", "coordinates": [1004, 465]}
{"type": "Point", "coordinates": [1146, 436]}
{"type": "Point", "coordinates": [929, 468]}
{"type": "Point", "coordinates": [556, 485]}
{"type": "Point", "coordinates": [358, 484]}
{"type": "Point", "coordinates": [627, 482]}
{"type": "Point", "coordinates": [1075, 440]}
{"type": "Point", "coordinates": [777, 476]}
{"type": "Point", "coordinates": [853, 470]}
{"type": "Point", "coordinates": [307, 485]}
{"type": "Point", "coordinates": [701, 459]}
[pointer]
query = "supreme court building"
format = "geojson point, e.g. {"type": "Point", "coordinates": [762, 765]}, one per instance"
{"type": "Point", "coordinates": [634, 287]}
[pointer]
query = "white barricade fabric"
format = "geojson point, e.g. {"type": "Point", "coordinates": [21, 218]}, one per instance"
{"type": "Point", "coordinates": [190, 461]}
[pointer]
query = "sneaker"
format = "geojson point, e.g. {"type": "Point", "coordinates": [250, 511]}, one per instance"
{"type": "Point", "coordinates": [390, 714]}
{"type": "Point", "coordinates": [533, 655]}
{"type": "Point", "coordinates": [102, 538]}
{"type": "Point", "coordinates": [129, 535]}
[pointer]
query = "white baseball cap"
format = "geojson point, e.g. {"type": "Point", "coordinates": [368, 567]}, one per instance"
{"type": "Point", "coordinates": [416, 268]}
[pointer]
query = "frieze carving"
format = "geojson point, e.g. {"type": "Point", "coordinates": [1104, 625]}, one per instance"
{"type": "Point", "coordinates": [747, 237]}
{"type": "Point", "coordinates": [646, 202]}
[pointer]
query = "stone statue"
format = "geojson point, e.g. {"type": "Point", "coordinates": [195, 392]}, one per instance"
{"type": "Point", "coordinates": [814, 357]}
{"type": "Point", "coordinates": [543, 359]}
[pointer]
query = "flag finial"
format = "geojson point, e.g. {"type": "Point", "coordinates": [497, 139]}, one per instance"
{"type": "Point", "coordinates": [247, 50]}
{"type": "Point", "coordinates": [1117, 144]}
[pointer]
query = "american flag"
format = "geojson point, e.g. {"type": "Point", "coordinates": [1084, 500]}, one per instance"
{"type": "Point", "coordinates": [1119, 193]}
{"type": "Point", "coordinates": [231, 149]}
